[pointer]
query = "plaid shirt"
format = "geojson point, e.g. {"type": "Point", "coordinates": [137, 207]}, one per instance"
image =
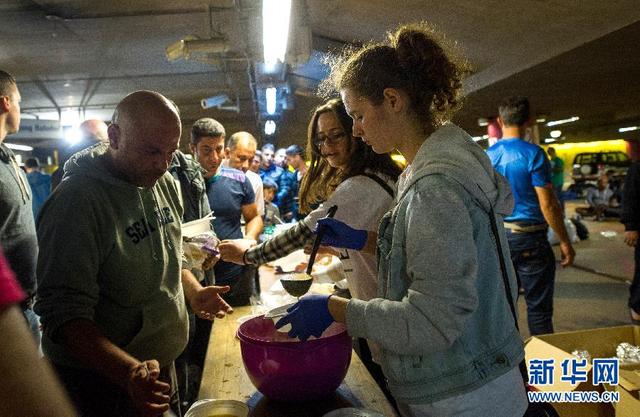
{"type": "Point", "coordinates": [281, 245]}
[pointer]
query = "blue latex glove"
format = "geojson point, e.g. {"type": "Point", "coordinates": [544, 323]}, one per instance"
{"type": "Point", "coordinates": [340, 235]}
{"type": "Point", "coordinates": [308, 317]}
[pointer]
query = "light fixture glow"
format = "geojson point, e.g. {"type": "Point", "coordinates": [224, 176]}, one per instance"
{"type": "Point", "coordinates": [72, 134]}
{"type": "Point", "coordinates": [477, 138]}
{"type": "Point", "coordinates": [563, 121]}
{"type": "Point", "coordinates": [17, 147]}
{"type": "Point", "coordinates": [541, 119]}
{"type": "Point", "coordinates": [275, 29]}
{"type": "Point", "coordinates": [555, 133]}
{"type": "Point", "coordinates": [482, 121]}
{"type": "Point", "coordinates": [271, 94]}
{"type": "Point", "coordinates": [69, 118]}
{"type": "Point", "coordinates": [628, 129]}
{"type": "Point", "coordinates": [269, 127]}
{"type": "Point", "coordinates": [549, 140]}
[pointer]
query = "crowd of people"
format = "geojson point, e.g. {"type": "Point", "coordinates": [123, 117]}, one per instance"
{"type": "Point", "coordinates": [433, 258]}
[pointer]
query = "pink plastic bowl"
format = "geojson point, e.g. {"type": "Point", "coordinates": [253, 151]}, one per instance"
{"type": "Point", "coordinates": [286, 369]}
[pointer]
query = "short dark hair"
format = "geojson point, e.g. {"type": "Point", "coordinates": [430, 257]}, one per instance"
{"type": "Point", "coordinates": [6, 81]}
{"type": "Point", "coordinates": [268, 146]}
{"type": "Point", "coordinates": [295, 150]}
{"type": "Point", "coordinates": [32, 163]}
{"type": "Point", "coordinates": [206, 127]}
{"type": "Point", "coordinates": [514, 111]}
{"type": "Point", "coordinates": [269, 184]}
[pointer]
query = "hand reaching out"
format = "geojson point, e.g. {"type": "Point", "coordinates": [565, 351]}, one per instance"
{"type": "Point", "coordinates": [233, 250]}
{"type": "Point", "coordinates": [207, 302]}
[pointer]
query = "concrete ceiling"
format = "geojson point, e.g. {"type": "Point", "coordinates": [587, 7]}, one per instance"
{"type": "Point", "coordinates": [570, 57]}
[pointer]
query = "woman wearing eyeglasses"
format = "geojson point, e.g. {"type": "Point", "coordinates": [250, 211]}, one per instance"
{"type": "Point", "coordinates": [344, 172]}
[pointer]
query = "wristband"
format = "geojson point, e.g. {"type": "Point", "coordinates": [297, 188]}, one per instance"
{"type": "Point", "coordinates": [244, 257]}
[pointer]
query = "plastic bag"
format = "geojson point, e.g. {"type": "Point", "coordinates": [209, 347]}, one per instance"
{"type": "Point", "coordinates": [571, 231]}
{"type": "Point", "coordinates": [199, 247]}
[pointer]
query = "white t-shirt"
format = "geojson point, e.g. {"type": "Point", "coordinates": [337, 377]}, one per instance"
{"type": "Point", "coordinates": [361, 204]}
{"type": "Point", "coordinates": [256, 183]}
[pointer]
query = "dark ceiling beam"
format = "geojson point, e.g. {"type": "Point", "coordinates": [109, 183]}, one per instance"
{"type": "Point", "coordinates": [89, 92]}
{"type": "Point", "coordinates": [65, 11]}
{"type": "Point", "coordinates": [132, 77]}
{"type": "Point", "coordinates": [327, 44]}
{"type": "Point", "coordinates": [110, 106]}
{"type": "Point", "coordinates": [43, 89]}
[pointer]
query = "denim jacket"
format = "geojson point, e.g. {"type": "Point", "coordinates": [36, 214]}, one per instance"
{"type": "Point", "coordinates": [442, 317]}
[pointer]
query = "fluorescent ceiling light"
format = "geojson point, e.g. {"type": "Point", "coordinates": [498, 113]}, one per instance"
{"type": "Point", "coordinates": [482, 121]}
{"type": "Point", "coordinates": [555, 133]}
{"type": "Point", "coordinates": [271, 93]}
{"type": "Point", "coordinates": [628, 129]}
{"type": "Point", "coordinates": [19, 147]}
{"type": "Point", "coordinates": [563, 121]}
{"type": "Point", "coordinates": [275, 29]}
{"type": "Point", "coordinates": [69, 118]}
{"type": "Point", "coordinates": [269, 127]}
{"type": "Point", "coordinates": [541, 119]}
{"type": "Point", "coordinates": [72, 134]}
{"type": "Point", "coordinates": [549, 140]}
{"type": "Point", "coordinates": [215, 101]}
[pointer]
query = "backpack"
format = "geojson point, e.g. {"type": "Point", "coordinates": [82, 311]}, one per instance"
{"type": "Point", "coordinates": [581, 228]}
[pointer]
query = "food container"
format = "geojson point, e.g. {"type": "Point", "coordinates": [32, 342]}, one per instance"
{"type": "Point", "coordinates": [218, 408]}
{"type": "Point", "coordinates": [287, 369]}
{"type": "Point", "coordinates": [197, 227]}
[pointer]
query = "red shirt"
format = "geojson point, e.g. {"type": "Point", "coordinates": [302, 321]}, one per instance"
{"type": "Point", "coordinates": [10, 291]}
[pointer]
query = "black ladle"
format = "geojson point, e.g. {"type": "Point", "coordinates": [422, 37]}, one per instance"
{"type": "Point", "coordinates": [299, 287]}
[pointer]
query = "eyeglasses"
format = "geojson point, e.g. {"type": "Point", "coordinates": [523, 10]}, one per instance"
{"type": "Point", "coordinates": [331, 139]}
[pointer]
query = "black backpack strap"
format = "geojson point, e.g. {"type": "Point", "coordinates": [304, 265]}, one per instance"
{"type": "Point", "coordinates": [507, 288]}
{"type": "Point", "coordinates": [380, 182]}
{"type": "Point", "coordinates": [503, 268]}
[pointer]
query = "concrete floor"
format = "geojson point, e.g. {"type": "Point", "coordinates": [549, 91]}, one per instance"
{"type": "Point", "coordinates": [594, 292]}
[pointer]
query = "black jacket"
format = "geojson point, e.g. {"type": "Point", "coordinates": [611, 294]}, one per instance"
{"type": "Point", "coordinates": [631, 199]}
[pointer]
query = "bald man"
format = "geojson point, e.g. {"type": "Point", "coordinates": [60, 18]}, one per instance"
{"type": "Point", "coordinates": [112, 288]}
{"type": "Point", "coordinates": [239, 153]}
{"type": "Point", "coordinates": [92, 131]}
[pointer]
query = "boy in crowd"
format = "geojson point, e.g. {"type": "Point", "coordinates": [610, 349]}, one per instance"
{"type": "Point", "coordinates": [271, 211]}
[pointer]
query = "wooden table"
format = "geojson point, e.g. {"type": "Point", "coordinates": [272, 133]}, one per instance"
{"type": "Point", "coordinates": [224, 377]}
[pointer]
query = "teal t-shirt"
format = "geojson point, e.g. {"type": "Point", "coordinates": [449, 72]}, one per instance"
{"type": "Point", "coordinates": [557, 172]}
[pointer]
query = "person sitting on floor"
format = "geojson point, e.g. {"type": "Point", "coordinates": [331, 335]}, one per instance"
{"type": "Point", "coordinates": [600, 200]}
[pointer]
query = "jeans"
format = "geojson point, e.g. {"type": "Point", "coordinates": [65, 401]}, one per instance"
{"type": "Point", "coordinates": [535, 266]}
{"type": "Point", "coordinates": [634, 290]}
{"type": "Point", "coordinates": [190, 363]}
{"type": "Point", "coordinates": [502, 397]}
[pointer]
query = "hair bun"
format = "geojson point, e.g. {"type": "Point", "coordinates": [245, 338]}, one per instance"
{"type": "Point", "coordinates": [417, 50]}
